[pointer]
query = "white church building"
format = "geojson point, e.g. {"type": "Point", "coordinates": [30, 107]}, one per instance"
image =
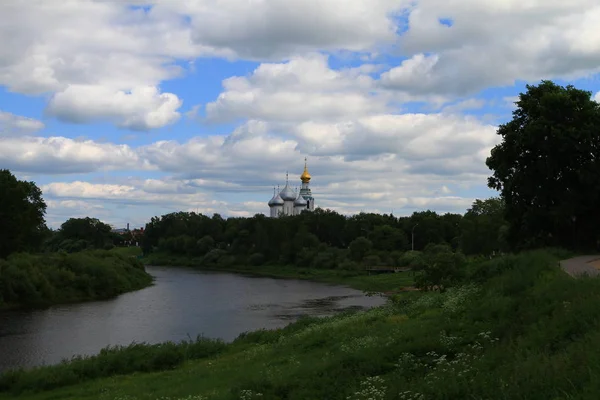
{"type": "Point", "coordinates": [292, 202]}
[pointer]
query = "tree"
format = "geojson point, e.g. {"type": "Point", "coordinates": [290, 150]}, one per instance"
{"type": "Point", "coordinates": [386, 238]}
{"type": "Point", "coordinates": [483, 227]}
{"type": "Point", "coordinates": [90, 231]}
{"type": "Point", "coordinates": [547, 167]}
{"type": "Point", "coordinates": [22, 211]}
{"type": "Point", "coordinates": [440, 269]}
{"type": "Point", "coordinates": [360, 247]}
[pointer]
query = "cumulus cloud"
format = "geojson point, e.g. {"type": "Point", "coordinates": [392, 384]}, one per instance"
{"type": "Point", "coordinates": [305, 88]}
{"type": "Point", "coordinates": [495, 43]}
{"type": "Point", "coordinates": [282, 28]}
{"type": "Point", "coordinates": [172, 195]}
{"type": "Point", "coordinates": [60, 155]}
{"type": "Point", "coordinates": [101, 59]}
{"type": "Point", "coordinates": [597, 97]}
{"type": "Point", "coordinates": [142, 108]}
{"type": "Point", "coordinates": [106, 61]}
{"type": "Point", "coordinates": [11, 124]}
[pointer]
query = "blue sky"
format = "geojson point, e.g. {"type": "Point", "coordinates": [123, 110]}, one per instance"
{"type": "Point", "coordinates": [123, 113]}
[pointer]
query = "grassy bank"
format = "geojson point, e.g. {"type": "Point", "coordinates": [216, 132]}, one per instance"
{"type": "Point", "coordinates": [518, 328]}
{"type": "Point", "coordinates": [28, 280]}
{"type": "Point", "coordinates": [356, 279]}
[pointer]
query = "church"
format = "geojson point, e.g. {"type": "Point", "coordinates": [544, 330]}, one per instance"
{"type": "Point", "coordinates": [292, 202]}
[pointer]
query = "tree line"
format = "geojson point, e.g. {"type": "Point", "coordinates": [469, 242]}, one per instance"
{"type": "Point", "coordinates": [325, 238]}
{"type": "Point", "coordinates": [546, 170]}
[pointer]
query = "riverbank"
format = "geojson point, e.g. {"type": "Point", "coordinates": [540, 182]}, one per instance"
{"type": "Point", "coordinates": [518, 328]}
{"type": "Point", "coordinates": [359, 280]}
{"type": "Point", "coordinates": [42, 280]}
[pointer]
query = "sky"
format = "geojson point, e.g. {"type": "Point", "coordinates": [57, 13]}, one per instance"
{"type": "Point", "coordinates": [125, 110]}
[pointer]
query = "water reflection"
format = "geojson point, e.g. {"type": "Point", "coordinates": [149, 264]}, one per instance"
{"type": "Point", "coordinates": [183, 303]}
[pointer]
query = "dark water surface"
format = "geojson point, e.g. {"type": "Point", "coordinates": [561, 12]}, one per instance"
{"type": "Point", "coordinates": [183, 303]}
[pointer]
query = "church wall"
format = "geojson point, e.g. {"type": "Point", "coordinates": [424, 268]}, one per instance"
{"type": "Point", "coordinates": [288, 207]}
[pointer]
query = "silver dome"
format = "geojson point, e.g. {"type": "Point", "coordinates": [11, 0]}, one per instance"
{"type": "Point", "coordinates": [287, 194]}
{"type": "Point", "coordinates": [276, 200]}
{"type": "Point", "coordinates": [300, 201]}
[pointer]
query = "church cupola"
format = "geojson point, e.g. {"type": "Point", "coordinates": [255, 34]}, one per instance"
{"type": "Point", "coordinates": [305, 177]}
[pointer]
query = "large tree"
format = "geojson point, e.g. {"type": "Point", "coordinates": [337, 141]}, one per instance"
{"type": "Point", "coordinates": [547, 167]}
{"type": "Point", "coordinates": [483, 227]}
{"type": "Point", "coordinates": [22, 212]}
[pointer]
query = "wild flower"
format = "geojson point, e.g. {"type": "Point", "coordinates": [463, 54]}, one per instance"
{"type": "Point", "coordinates": [372, 388]}
{"type": "Point", "coordinates": [250, 395]}
{"type": "Point", "coordinates": [426, 301]}
{"type": "Point", "coordinates": [409, 362]}
{"type": "Point", "coordinates": [255, 350]}
{"type": "Point", "coordinates": [448, 341]}
{"type": "Point", "coordinates": [457, 298]}
{"type": "Point", "coordinates": [409, 395]}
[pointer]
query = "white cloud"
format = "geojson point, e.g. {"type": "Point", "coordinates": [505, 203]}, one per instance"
{"type": "Point", "coordinates": [142, 108]}
{"type": "Point", "coordinates": [60, 155]}
{"type": "Point", "coordinates": [278, 29]}
{"type": "Point", "coordinates": [305, 88]}
{"type": "Point", "coordinates": [495, 43]}
{"type": "Point", "coordinates": [11, 124]}
{"type": "Point", "coordinates": [469, 104]}
{"type": "Point", "coordinates": [102, 60]}
{"type": "Point", "coordinates": [597, 97]}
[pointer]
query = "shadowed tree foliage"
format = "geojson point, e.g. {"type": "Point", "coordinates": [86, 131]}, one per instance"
{"type": "Point", "coordinates": [484, 228]}
{"type": "Point", "coordinates": [319, 239]}
{"type": "Point", "coordinates": [78, 234]}
{"type": "Point", "coordinates": [547, 168]}
{"type": "Point", "coordinates": [22, 209]}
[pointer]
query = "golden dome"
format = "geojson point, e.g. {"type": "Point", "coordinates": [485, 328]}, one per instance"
{"type": "Point", "coordinates": [305, 177]}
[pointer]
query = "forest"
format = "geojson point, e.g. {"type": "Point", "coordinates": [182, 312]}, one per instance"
{"type": "Point", "coordinates": [326, 239]}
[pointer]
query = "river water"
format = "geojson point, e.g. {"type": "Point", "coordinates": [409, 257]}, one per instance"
{"type": "Point", "coordinates": [183, 303]}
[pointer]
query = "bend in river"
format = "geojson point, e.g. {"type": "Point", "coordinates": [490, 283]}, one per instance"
{"type": "Point", "coordinates": [183, 303]}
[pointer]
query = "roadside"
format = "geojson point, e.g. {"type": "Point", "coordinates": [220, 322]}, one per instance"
{"type": "Point", "coordinates": [581, 265]}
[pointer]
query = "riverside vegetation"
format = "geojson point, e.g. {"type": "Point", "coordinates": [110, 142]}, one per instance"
{"type": "Point", "coordinates": [515, 327]}
{"type": "Point", "coordinates": [40, 280]}
{"type": "Point", "coordinates": [39, 267]}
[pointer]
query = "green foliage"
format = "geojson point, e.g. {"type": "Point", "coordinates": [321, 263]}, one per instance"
{"type": "Point", "coordinates": [111, 361]}
{"type": "Point", "coordinates": [78, 234]}
{"type": "Point", "coordinates": [320, 239]}
{"type": "Point", "coordinates": [483, 228]}
{"type": "Point", "coordinates": [525, 330]}
{"type": "Point", "coordinates": [22, 212]}
{"type": "Point", "coordinates": [441, 267]}
{"type": "Point", "coordinates": [546, 168]}
{"type": "Point", "coordinates": [39, 280]}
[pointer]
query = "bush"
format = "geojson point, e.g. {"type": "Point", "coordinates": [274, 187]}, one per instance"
{"type": "Point", "coordinates": [40, 280]}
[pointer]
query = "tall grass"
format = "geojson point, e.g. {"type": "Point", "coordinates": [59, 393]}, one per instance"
{"type": "Point", "coordinates": [111, 361]}
{"type": "Point", "coordinates": [517, 328]}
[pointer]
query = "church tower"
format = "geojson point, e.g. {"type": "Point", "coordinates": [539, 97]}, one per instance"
{"type": "Point", "coordinates": [305, 191]}
{"type": "Point", "coordinates": [289, 202]}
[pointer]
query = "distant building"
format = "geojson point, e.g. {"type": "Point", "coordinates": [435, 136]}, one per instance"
{"type": "Point", "coordinates": [289, 202]}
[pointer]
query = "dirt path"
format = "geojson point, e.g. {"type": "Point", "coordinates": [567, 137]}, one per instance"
{"type": "Point", "coordinates": [582, 265]}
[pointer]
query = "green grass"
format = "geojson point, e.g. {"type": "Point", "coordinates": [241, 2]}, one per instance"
{"type": "Point", "coordinates": [132, 251]}
{"type": "Point", "coordinates": [518, 329]}
{"type": "Point", "coordinates": [355, 279]}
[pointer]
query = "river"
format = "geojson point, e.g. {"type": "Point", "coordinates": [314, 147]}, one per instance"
{"type": "Point", "coordinates": [182, 303]}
